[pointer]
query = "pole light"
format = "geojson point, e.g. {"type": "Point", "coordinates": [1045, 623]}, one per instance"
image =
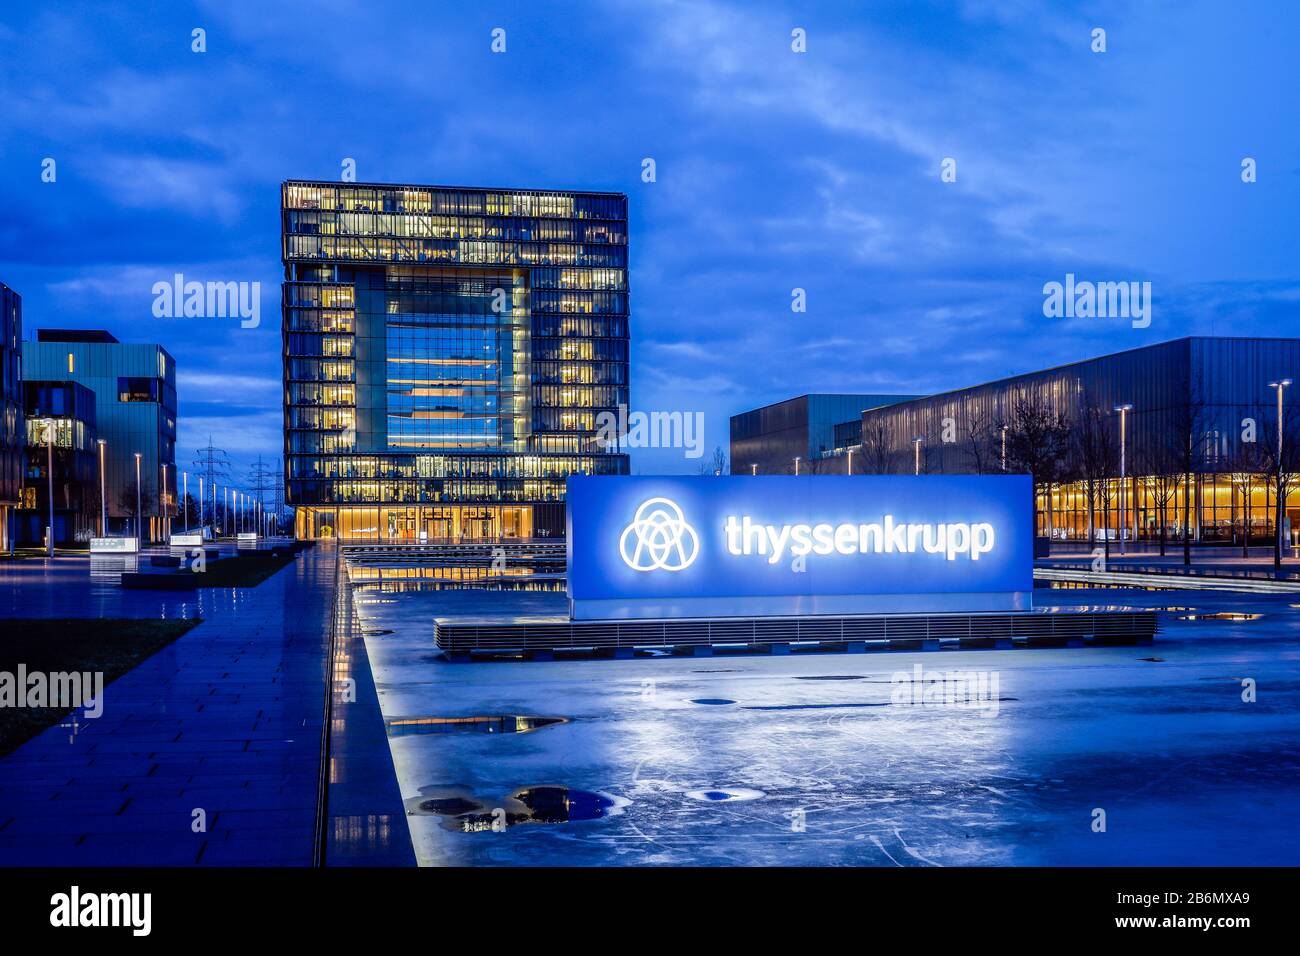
{"type": "Point", "coordinates": [796, 464]}
{"type": "Point", "coordinates": [1123, 464]}
{"type": "Point", "coordinates": [185, 499]}
{"type": "Point", "coordinates": [49, 477]}
{"type": "Point", "coordinates": [103, 501]}
{"type": "Point", "coordinates": [850, 461]}
{"type": "Point", "coordinates": [138, 514]}
{"type": "Point", "coordinates": [201, 503]}
{"type": "Point", "coordinates": [916, 446]}
{"type": "Point", "coordinates": [1004, 447]}
{"type": "Point", "coordinates": [162, 502]}
{"type": "Point", "coordinates": [753, 469]}
{"type": "Point", "coordinates": [1280, 384]}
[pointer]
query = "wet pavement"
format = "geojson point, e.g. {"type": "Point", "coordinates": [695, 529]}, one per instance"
{"type": "Point", "coordinates": [821, 759]}
{"type": "Point", "coordinates": [226, 720]}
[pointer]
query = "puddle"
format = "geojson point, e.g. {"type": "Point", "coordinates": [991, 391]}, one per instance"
{"type": "Point", "coordinates": [378, 632]}
{"type": "Point", "coordinates": [506, 724]}
{"type": "Point", "coordinates": [712, 701]}
{"type": "Point", "coordinates": [544, 803]}
{"type": "Point", "coordinates": [725, 794]}
{"type": "Point", "coordinates": [1173, 609]}
{"type": "Point", "coordinates": [1153, 660]}
{"type": "Point", "coordinates": [1221, 616]}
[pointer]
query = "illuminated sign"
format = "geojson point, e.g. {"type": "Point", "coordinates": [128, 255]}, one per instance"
{"type": "Point", "coordinates": [754, 546]}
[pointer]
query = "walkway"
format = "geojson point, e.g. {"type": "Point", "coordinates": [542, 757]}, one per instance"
{"type": "Point", "coordinates": [227, 720]}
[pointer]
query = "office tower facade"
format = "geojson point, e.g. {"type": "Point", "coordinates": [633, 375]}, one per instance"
{"type": "Point", "coordinates": [11, 415]}
{"type": "Point", "coordinates": [134, 388]}
{"type": "Point", "coordinates": [767, 440]}
{"type": "Point", "coordinates": [447, 354]}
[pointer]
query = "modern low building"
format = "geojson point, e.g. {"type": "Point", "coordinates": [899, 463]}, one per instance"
{"type": "Point", "coordinates": [447, 351]}
{"type": "Point", "coordinates": [11, 410]}
{"type": "Point", "coordinates": [61, 442]}
{"type": "Point", "coordinates": [810, 428]}
{"type": "Point", "coordinates": [1191, 424]}
{"type": "Point", "coordinates": [134, 388]}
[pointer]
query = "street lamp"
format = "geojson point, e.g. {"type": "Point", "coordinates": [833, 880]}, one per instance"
{"type": "Point", "coordinates": [796, 464]}
{"type": "Point", "coordinates": [201, 503]}
{"type": "Point", "coordinates": [850, 461]}
{"type": "Point", "coordinates": [138, 536]}
{"type": "Point", "coordinates": [753, 469]}
{"type": "Point", "coordinates": [1281, 507]}
{"type": "Point", "coordinates": [162, 502]}
{"type": "Point", "coordinates": [49, 477]}
{"type": "Point", "coordinates": [185, 499]}
{"type": "Point", "coordinates": [1123, 464]}
{"type": "Point", "coordinates": [916, 445]}
{"type": "Point", "coordinates": [103, 501]}
{"type": "Point", "coordinates": [1004, 447]}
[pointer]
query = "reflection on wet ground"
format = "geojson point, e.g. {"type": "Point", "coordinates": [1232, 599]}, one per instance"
{"type": "Point", "coordinates": [464, 812]}
{"type": "Point", "coordinates": [1189, 773]}
{"type": "Point", "coordinates": [400, 726]}
{"type": "Point", "coordinates": [1221, 616]}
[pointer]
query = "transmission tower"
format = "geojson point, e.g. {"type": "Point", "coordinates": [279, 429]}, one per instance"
{"type": "Point", "coordinates": [264, 484]}
{"type": "Point", "coordinates": [212, 465]}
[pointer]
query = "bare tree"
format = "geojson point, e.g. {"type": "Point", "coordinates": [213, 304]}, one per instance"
{"type": "Point", "coordinates": [1162, 485]}
{"type": "Point", "coordinates": [717, 463]}
{"type": "Point", "coordinates": [1038, 443]}
{"type": "Point", "coordinates": [879, 456]}
{"type": "Point", "coordinates": [1281, 460]}
{"type": "Point", "coordinates": [978, 442]}
{"type": "Point", "coordinates": [1096, 461]}
{"type": "Point", "coordinates": [1185, 442]}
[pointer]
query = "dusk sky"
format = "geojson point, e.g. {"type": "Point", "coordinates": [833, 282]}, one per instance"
{"type": "Point", "coordinates": [776, 170]}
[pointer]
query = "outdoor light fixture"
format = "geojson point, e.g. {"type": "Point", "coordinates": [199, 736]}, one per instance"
{"type": "Point", "coordinates": [138, 528]}
{"type": "Point", "coordinates": [103, 501]}
{"type": "Point", "coordinates": [916, 445]}
{"type": "Point", "coordinates": [1123, 414]}
{"type": "Point", "coordinates": [1279, 385]}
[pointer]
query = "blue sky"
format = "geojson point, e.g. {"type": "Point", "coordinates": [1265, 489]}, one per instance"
{"type": "Point", "coordinates": [776, 171]}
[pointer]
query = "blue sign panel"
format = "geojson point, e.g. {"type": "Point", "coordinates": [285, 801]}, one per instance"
{"type": "Point", "coordinates": [745, 546]}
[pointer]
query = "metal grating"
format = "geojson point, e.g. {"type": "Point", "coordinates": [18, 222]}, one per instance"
{"type": "Point", "coordinates": [965, 630]}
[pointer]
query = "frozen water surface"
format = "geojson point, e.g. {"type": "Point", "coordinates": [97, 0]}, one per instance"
{"type": "Point", "coordinates": [814, 765]}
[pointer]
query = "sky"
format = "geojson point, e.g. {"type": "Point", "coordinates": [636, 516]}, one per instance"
{"type": "Point", "coordinates": [775, 170]}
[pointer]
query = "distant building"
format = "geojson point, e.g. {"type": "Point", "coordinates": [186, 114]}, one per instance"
{"type": "Point", "coordinates": [767, 440]}
{"type": "Point", "coordinates": [447, 351]}
{"type": "Point", "coordinates": [134, 412]}
{"type": "Point", "coordinates": [1199, 445]}
{"type": "Point", "coordinates": [61, 431]}
{"type": "Point", "coordinates": [11, 410]}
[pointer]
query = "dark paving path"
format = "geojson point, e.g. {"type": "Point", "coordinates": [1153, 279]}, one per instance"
{"type": "Point", "coordinates": [227, 719]}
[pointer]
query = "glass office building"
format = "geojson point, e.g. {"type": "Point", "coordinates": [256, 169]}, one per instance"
{"type": "Point", "coordinates": [1208, 394]}
{"type": "Point", "coordinates": [11, 406]}
{"type": "Point", "coordinates": [447, 351]}
{"type": "Point", "coordinates": [134, 388]}
{"type": "Point", "coordinates": [61, 442]}
{"type": "Point", "coordinates": [767, 440]}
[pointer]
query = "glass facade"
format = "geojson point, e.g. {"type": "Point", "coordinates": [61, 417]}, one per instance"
{"type": "Point", "coordinates": [1210, 394]}
{"type": "Point", "coordinates": [11, 404]}
{"type": "Point", "coordinates": [134, 411]}
{"type": "Point", "coordinates": [766, 440]}
{"type": "Point", "coordinates": [446, 354]}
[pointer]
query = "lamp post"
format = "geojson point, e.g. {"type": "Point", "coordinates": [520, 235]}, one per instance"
{"type": "Point", "coordinates": [185, 499]}
{"type": "Point", "coordinates": [138, 515]}
{"type": "Point", "coordinates": [49, 476]}
{"type": "Point", "coordinates": [1004, 447]}
{"type": "Point", "coordinates": [162, 504]}
{"type": "Point", "coordinates": [1281, 506]}
{"type": "Point", "coordinates": [796, 464]}
{"type": "Point", "coordinates": [201, 502]}
{"type": "Point", "coordinates": [103, 501]}
{"type": "Point", "coordinates": [753, 469]}
{"type": "Point", "coordinates": [1123, 468]}
{"type": "Point", "coordinates": [916, 446]}
{"type": "Point", "coordinates": [850, 461]}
